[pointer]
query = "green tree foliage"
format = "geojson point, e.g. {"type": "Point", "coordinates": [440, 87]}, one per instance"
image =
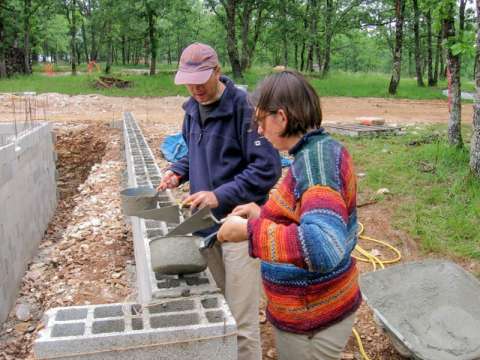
{"type": "Point", "coordinates": [310, 35]}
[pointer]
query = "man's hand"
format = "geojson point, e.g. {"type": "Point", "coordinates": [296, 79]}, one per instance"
{"type": "Point", "coordinates": [250, 210]}
{"type": "Point", "coordinates": [234, 229]}
{"type": "Point", "coordinates": [202, 199]}
{"type": "Point", "coordinates": [170, 180]}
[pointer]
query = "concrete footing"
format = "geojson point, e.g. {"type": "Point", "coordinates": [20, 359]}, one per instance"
{"type": "Point", "coordinates": [28, 195]}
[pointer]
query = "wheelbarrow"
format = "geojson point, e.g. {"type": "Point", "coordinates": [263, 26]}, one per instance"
{"type": "Point", "coordinates": [429, 309]}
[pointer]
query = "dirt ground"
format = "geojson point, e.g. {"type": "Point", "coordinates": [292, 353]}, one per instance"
{"type": "Point", "coordinates": [86, 255]}
{"type": "Point", "coordinates": [85, 108]}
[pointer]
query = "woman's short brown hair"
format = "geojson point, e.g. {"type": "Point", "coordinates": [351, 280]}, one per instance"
{"type": "Point", "coordinates": [291, 92]}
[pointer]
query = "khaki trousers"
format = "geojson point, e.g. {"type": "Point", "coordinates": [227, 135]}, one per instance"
{"type": "Point", "coordinates": [238, 276]}
{"type": "Point", "coordinates": [327, 344]}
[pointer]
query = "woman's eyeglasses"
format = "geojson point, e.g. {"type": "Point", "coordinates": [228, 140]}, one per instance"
{"type": "Point", "coordinates": [259, 119]}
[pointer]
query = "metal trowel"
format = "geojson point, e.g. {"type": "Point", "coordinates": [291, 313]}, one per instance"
{"type": "Point", "coordinates": [200, 220]}
{"type": "Point", "coordinates": [169, 214]}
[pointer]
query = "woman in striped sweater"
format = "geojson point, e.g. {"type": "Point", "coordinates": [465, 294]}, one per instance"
{"type": "Point", "coordinates": [305, 233]}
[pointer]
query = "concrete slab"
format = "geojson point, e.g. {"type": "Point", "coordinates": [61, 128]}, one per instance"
{"type": "Point", "coordinates": [192, 328]}
{"type": "Point", "coordinates": [431, 309]}
{"type": "Point", "coordinates": [356, 130]}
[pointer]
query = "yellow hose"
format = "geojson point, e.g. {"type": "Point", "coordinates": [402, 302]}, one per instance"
{"type": "Point", "coordinates": [374, 260]}
{"type": "Point", "coordinates": [360, 345]}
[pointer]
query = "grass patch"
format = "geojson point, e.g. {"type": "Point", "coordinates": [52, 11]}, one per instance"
{"type": "Point", "coordinates": [143, 85]}
{"type": "Point", "coordinates": [336, 84]}
{"type": "Point", "coordinates": [437, 198]}
{"type": "Point", "coordinates": [375, 85]}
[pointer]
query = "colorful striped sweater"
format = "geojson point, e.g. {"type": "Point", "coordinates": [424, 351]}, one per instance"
{"type": "Point", "coordinates": [304, 237]}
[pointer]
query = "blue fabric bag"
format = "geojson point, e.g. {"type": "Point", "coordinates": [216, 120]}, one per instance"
{"type": "Point", "coordinates": [174, 147]}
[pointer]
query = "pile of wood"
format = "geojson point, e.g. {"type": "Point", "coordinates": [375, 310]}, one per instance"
{"type": "Point", "coordinates": [107, 82]}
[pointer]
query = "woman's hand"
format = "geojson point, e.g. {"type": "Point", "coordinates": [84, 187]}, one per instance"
{"type": "Point", "coordinates": [250, 210]}
{"type": "Point", "coordinates": [234, 229]}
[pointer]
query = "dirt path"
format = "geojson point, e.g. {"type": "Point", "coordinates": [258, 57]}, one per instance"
{"type": "Point", "coordinates": [59, 107]}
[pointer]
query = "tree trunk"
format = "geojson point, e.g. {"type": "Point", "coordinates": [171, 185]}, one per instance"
{"type": "Point", "coordinates": [397, 57]}
{"type": "Point", "coordinates": [302, 57]}
{"type": "Point", "coordinates": [249, 44]}
{"type": "Point", "coordinates": [27, 8]}
{"type": "Point", "coordinates": [475, 143]}
{"type": "Point", "coordinates": [85, 45]}
{"type": "Point", "coordinates": [416, 31]}
{"type": "Point", "coordinates": [124, 49]}
{"type": "Point", "coordinates": [129, 51]}
{"type": "Point", "coordinates": [284, 33]}
{"type": "Point", "coordinates": [461, 16]}
{"type": "Point", "coordinates": [73, 31]}
{"type": "Point", "coordinates": [454, 88]}
{"type": "Point", "coordinates": [79, 56]}
{"type": "Point", "coordinates": [169, 52]}
{"type": "Point", "coordinates": [152, 39]}
{"type": "Point", "coordinates": [410, 61]}
{"type": "Point", "coordinates": [108, 65]}
{"type": "Point", "coordinates": [309, 67]}
{"type": "Point", "coordinates": [438, 57]}
{"type": "Point", "coordinates": [232, 40]}
{"type": "Point", "coordinates": [3, 65]}
{"type": "Point", "coordinates": [296, 55]}
{"type": "Point", "coordinates": [431, 80]}
{"type": "Point", "coordinates": [328, 37]}
{"type": "Point", "coordinates": [93, 48]}
{"type": "Point", "coordinates": [319, 54]}
{"type": "Point", "coordinates": [304, 40]}
{"type": "Point", "coordinates": [108, 28]}
{"type": "Point", "coordinates": [146, 52]}
{"type": "Point", "coordinates": [312, 34]}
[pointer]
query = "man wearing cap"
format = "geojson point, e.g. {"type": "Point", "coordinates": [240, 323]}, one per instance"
{"type": "Point", "coordinates": [227, 164]}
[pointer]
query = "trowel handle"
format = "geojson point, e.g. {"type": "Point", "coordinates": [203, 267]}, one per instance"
{"type": "Point", "coordinates": [209, 241]}
{"type": "Point", "coordinates": [214, 218]}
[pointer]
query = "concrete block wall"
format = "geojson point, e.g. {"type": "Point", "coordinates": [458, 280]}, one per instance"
{"type": "Point", "coordinates": [28, 198]}
{"type": "Point", "coordinates": [177, 317]}
{"type": "Point", "coordinates": [143, 171]}
{"type": "Point", "coordinates": [199, 327]}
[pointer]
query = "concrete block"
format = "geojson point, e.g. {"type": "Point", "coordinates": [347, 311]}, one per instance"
{"type": "Point", "coordinates": [195, 328]}
{"type": "Point", "coordinates": [153, 285]}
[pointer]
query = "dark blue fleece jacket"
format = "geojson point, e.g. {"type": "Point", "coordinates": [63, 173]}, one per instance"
{"type": "Point", "coordinates": [225, 155]}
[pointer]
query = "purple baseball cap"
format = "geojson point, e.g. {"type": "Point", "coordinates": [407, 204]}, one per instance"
{"type": "Point", "coordinates": [196, 64]}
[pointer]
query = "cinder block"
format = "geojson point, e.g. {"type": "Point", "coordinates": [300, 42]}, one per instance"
{"type": "Point", "coordinates": [199, 327]}
{"type": "Point", "coordinates": [151, 285]}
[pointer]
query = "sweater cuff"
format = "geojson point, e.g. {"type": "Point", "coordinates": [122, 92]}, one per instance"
{"type": "Point", "coordinates": [252, 248]}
